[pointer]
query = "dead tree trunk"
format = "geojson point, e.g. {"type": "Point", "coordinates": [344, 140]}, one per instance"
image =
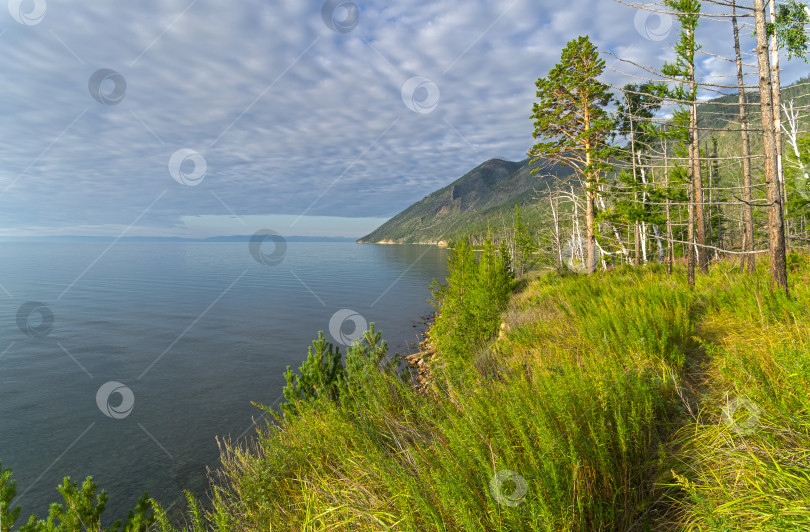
{"type": "Point", "coordinates": [776, 222]}
{"type": "Point", "coordinates": [776, 86]}
{"type": "Point", "coordinates": [697, 181]}
{"type": "Point", "coordinates": [747, 260]}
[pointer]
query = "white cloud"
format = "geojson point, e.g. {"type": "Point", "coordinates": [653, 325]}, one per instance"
{"type": "Point", "coordinates": [290, 115]}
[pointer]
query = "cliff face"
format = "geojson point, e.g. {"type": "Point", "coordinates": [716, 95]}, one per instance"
{"type": "Point", "coordinates": [483, 197]}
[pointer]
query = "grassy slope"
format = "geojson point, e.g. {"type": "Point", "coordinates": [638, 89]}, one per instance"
{"type": "Point", "coordinates": [605, 395]}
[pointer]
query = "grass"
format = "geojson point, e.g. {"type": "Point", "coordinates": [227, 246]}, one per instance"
{"type": "Point", "coordinates": [607, 403]}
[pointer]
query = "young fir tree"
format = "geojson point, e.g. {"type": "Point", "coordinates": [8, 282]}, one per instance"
{"type": "Point", "coordinates": [321, 375]}
{"type": "Point", "coordinates": [524, 245]}
{"type": "Point", "coordinates": [81, 511]}
{"type": "Point", "coordinates": [572, 125]}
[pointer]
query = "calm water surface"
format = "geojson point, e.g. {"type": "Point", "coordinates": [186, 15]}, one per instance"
{"type": "Point", "coordinates": [195, 332]}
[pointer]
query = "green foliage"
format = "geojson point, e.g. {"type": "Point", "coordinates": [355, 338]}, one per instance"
{"type": "Point", "coordinates": [79, 513]}
{"type": "Point", "coordinates": [196, 520]}
{"type": "Point", "coordinates": [635, 113]}
{"type": "Point", "coordinates": [790, 28]}
{"type": "Point", "coordinates": [570, 119]}
{"type": "Point", "coordinates": [364, 360]}
{"type": "Point", "coordinates": [8, 490]}
{"type": "Point", "coordinates": [320, 374]}
{"type": "Point", "coordinates": [797, 262]}
{"type": "Point", "coordinates": [524, 246]}
{"type": "Point", "coordinates": [688, 14]}
{"type": "Point", "coordinates": [324, 375]}
{"type": "Point", "coordinates": [471, 300]}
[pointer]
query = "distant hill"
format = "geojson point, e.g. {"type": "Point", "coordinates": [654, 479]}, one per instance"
{"type": "Point", "coordinates": [483, 198]}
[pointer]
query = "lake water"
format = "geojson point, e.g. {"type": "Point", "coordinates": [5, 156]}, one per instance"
{"type": "Point", "coordinates": [187, 335]}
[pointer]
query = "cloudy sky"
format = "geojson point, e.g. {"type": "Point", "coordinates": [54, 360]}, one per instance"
{"type": "Point", "coordinates": [205, 117]}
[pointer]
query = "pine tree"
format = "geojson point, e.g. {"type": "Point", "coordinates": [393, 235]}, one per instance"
{"type": "Point", "coordinates": [573, 126]}
{"type": "Point", "coordinates": [320, 374]}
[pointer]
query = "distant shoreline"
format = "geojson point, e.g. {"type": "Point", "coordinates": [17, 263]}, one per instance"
{"type": "Point", "coordinates": [233, 238]}
{"type": "Point", "coordinates": [440, 243]}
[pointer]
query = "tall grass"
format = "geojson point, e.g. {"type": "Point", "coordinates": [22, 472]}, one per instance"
{"type": "Point", "coordinates": [599, 407]}
{"type": "Point", "coordinates": [558, 425]}
{"type": "Point", "coordinates": [744, 461]}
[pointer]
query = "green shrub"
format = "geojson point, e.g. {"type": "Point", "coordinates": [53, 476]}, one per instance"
{"type": "Point", "coordinates": [79, 512]}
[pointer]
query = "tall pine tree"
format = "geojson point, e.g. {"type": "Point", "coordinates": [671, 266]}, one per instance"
{"type": "Point", "coordinates": [572, 125]}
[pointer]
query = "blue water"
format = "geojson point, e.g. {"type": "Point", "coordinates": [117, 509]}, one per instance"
{"type": "Point", "coordinates": [191, 332]}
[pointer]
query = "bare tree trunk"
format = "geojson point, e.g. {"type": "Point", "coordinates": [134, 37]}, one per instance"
{"type": "Point", "coordinates": [792, 133]}
{"type": "Point", "coordinates": [590, 243]}
{"type": "Point", "coordinates": [658, 243]}
{"type": "Point", "coordinates": [654, 227]}
{"type": "Point", "coordinates": [670, 238]}
{"type": "Point", "coordinates": [690, 231]}
{"type": "Point", "coordinates": [747, 260]}
{"type": "Point", "coordinates": [577, 234]}
{"type": "Point", "coordinates": [709, 203]}
{"type": "Point", "coordinates": [557, 239]}
{"type": "Point", "coordinates": [697, 181]}
{"type": "Point", "coordinates": [776, 222]}
{"type": "Point", "coordinates": [616, 233]}
{"type": "Point", "coordinates": [776, 87]}
{"type": "Point", "coordinates": [635, 182]}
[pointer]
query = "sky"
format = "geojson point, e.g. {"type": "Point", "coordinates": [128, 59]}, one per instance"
{"type": "Point", "coordinates": [200, 118]}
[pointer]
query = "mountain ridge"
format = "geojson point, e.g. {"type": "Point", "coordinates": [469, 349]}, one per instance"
{"type": "Point", "coordinates": [475, 202]}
